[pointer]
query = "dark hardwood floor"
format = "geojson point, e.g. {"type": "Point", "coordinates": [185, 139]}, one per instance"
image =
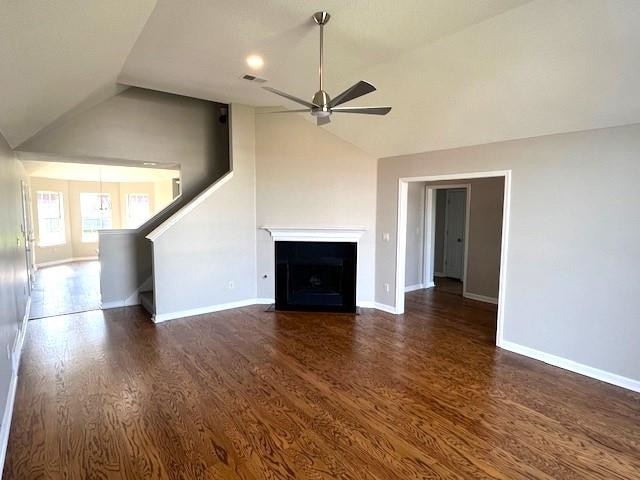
{"type": "Point", "coordinates": [68, 288]}
{"type": "Point", "coordinates": [448, 285]}
{"type": "Point", "coordinates": [250, 394]}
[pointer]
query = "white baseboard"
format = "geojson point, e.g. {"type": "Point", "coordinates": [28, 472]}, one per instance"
{"type": "Point", "coordinates": [264, 301]}
{"type": "Point", "coordinates": [22, 333]}
{"type": "Point", "coordinates": [16, 353]}
{"type": "Point", "coordinates": [429, 285]}
{"type": "Point", "coordinates": [6, 418]}
{"type": "Point", "coordinates": [65, 260]}
{"type": "Point", "coordinates": [438, 274]}
{"type": "Point", "coordinates": [572, 366]}
{"type": "Point", "coordinates": [480, 298]}
{"type": "Point", "coordinates": [385, 308]}
{"type": "Point", "coordinates": [163, 317]}
{"type": "Point", "coordinates": [413, 288]}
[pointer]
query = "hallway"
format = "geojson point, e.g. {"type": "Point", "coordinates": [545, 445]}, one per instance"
{"type": "Point", "coordinates": [68, 288]}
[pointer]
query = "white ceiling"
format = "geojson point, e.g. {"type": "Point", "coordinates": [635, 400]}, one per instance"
{"type": "Point", "coordinates": [199, 47]}
{"type": "Point", "coordinates": [456, 72]}
{"type": "Point", "coordinates": [94, 173]}
{"type": "Point", "coordinates": [57, 56]}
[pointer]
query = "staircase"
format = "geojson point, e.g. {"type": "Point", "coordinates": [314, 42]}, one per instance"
{"type": "Point", "coordinates": [146, 300]}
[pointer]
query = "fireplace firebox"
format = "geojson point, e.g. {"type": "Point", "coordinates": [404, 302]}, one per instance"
{"type": "Point", "coordinates": [316, 276]}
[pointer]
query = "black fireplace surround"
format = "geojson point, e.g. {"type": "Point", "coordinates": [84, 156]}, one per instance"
{"type": "Point", "coordinates": [316, 276]}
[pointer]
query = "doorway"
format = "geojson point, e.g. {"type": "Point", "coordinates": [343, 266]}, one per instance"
{"type": "Point", "coordinates": [454, 233]}
{"type": "Point", "coordinates": [27, 232]}
{"type": "Point", "coordinates": [457, 239]}
{"type": "Point", "coordinates": [73, 204]}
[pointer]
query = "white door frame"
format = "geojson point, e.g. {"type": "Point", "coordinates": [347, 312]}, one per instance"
{"type": "Point", "coordinates": [401, 236]}
{"type": "Point", "coordinates": [428, 269]}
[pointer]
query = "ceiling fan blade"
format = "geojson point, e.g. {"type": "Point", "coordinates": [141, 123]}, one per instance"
{"type": "Point", "coordinates": [291, 111]}
{"type": "Point", "coordinates": [365, 110]}
{"type": "Point", "coordinates": [291, 97]}
{"type": "Point", "coordinates": [323, 120]}
{"type": "Point", "coordinates": [359, 89]}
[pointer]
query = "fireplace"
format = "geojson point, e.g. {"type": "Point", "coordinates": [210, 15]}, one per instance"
{"type": "Point", "coordinates": [315, 276]}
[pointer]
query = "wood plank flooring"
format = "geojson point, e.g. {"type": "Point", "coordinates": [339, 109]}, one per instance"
{"type": "Point", "coordinates": [254, 395]}
{"type": "Point", "coordinates": [68, 288]}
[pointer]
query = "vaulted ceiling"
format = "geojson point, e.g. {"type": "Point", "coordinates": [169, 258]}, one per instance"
{"type": "Point", "coordinates": [456, 72]}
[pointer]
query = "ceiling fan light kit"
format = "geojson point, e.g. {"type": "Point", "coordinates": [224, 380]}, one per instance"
{"type": "Point", "coordinates": [322, 105]}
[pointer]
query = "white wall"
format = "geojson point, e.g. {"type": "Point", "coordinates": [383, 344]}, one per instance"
{"type": "Point", "coordinates": [571, 286]}
{"type": "Point", "coordinates": [308, 177]}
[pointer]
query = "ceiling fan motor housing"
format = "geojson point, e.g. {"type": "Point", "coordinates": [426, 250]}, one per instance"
{"type": "Point", "coordinates": [321, 99]}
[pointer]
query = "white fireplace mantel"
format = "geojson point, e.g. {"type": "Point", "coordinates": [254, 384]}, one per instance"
{"type": "Point", "coordinates": [315, 234]}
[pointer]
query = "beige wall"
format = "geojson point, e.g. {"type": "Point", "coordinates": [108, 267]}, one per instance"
{"type": "Point", "coordinates": [215, 243]}
{"type": "Point", "coordinates": [162, 194]}
{"type": "Point", "coordinates": [74, 247]}
{"type": "Point", "coordinates": [570, 289]}
{"type": "Point", "coordinates": [308, 177]}
{"type": "Point", "coordinates": [485, 234]}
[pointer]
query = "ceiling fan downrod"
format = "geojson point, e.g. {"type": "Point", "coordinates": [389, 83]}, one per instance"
{"type": "Point", "coordinates": [321, 98]}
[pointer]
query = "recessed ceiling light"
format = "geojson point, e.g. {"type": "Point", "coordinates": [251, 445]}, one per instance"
{"type": "Point", "coordinates": [255, 61]}
{"type": "Point", "coordinates": [150, 163]}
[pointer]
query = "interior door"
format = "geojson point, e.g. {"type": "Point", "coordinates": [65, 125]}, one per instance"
{"type": "Point", "coordinates": [455, 220]}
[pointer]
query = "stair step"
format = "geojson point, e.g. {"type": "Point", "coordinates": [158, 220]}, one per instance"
{"type": "Point", "coordinates": [146, 300]}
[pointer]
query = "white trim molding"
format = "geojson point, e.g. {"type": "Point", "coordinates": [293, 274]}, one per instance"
{"type": "Point", "coordinates": [572, 366]}
{"type": "Point", "coordinates": [16, 353]}
{"type": "Point", "coordinates": [182, 212]}
{"type": "Point", "coordinates": [480, 298]}
{"type": "Point", "coordinates": [164, 317]}
{"type": "Point", "coordinates": [65, 260]}
{"type": "Point", "coordinates": [385, 308]}
{"type": "Point", "coordinates": [401, 236]}
{"type": "Point", "coordinates": [315, 234]}
{"type": "Point", "coordinates": [413, 288]}
{"type": "Point", "coordinates": [429, 237]}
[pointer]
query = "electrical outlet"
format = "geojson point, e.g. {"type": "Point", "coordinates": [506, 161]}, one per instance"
{"type": "Point", "coordinates": [386, 237]}
{"type": "Point", "coordinates": [231, 285]}
{"type": "Point", "coordinates": [386, 287]}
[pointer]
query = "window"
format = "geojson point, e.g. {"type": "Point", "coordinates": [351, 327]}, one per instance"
{"type": "Point", "coordinates": [95, 210]}
{"type": "Point", "coordinates": [138, 210]}
{"type": "Point", "coordinates": [50, 219]}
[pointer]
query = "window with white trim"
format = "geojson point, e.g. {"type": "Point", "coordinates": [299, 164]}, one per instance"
{"type": "Point", "coordinates": [50, 218]}
{"type": "Point", "coordinates": [138, 209]}
{"type": "Point", "coordinates": [96, 214]}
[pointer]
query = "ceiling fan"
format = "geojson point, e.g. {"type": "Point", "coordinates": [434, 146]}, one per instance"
{"type": "Point", "coordinates": [322, 106]}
